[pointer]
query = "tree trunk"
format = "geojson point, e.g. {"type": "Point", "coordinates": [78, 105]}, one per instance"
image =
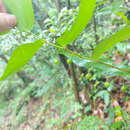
{"type": "Point", "coordinates": [68, 4]}
{"type": "Point", "coordinates": [58, 5]}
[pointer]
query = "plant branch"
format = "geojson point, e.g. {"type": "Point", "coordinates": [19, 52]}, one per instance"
{"type": "Point", "coordinates": [95, 28]}
{"type": "Point", "coordinates": [75, 84]}
{"type": "Point", "coordinates": [86, 58]}
{"type": "Point", "coordinates": [82, 57]}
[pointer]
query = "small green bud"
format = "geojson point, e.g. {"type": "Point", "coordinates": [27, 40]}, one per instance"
{"type": "Point", "coordinates": [88, 76]}
{"type": "Point", "coordinates": [106, 84]}
{"type": "Point", "coordinates": [118, 111]}
{"type": "Point", "coordinates": [69, 61]}
{"type": "Point", "coordinates": [56, 61]}
{"type": "Point", "coordinates": [123, 88]}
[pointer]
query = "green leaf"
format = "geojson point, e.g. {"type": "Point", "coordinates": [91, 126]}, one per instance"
{"type": "Point", "coordinates": [24, 12]}
{"type": "Point", "coordinates": [20, 56]}
{"type": "Point", "coordinates": [105, 95]}
{"type": "Point", "coordinates": [121, 14]}
{"type": "Point", "coordinates": [101, 66]}
{"type": "Point", "coordinates": [85, 14]}
{"type": "Point", "coordinates": [106, 44]}
{"type": "Point", "coordinates": [106, 98]}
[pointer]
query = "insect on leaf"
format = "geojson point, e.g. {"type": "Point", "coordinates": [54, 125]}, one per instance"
{"type": "Point", "coordinates": [84, 16]}
{"type": "Point", "coordinates": [23, 10]}
{"type": "Point", "coordinates": [20, 56]}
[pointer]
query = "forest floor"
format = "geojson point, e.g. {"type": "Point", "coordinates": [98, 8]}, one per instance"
{"type": "Point", "coordinates": [34, 115]}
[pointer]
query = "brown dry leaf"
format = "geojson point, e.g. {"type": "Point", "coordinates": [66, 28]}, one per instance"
{"type": "Point", "coordinates": [99, 112]}
{"type": "Point", "coordinates": [115, 103]}
{"type": "Point", "coordinates": [127, 106]}
{"type": "Point", "coordinates": [128, 54]}
{"type": "Point", "coordinates": [112, 27]}
{"type": "Point", "coordinates": [39, 116]}
{"type": "Point", "coordinates": [102, 106]}
{"type": "Point", "coordinates": [119, 118]}
{"type": "Point", "coordinates": [82, 96]}
{"type": "Point", "coordinates": [95, 112]}
{"type": "Point", "coordinates": [25, 126]}
{"type": "Point", "coordinates": [127, 2]}
{"type": "Point", "coordinates": [118, 60]}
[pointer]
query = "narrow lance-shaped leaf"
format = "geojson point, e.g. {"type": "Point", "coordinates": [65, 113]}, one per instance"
{"type": "Point", "coordinates": [20, 57]}
{"type": "Point", "coordinates": [84, 16]}
{"type": "Point", "coordinates": [24, 12]}
{"type": "Point", "coordinates": [106, 44]}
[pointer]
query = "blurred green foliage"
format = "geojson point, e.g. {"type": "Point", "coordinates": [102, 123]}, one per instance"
{"type": "Point", "coordinates": [45, 77]}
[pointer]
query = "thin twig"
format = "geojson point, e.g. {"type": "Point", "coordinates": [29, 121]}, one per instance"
{"type": "Point", "coordinates": [82, 57]}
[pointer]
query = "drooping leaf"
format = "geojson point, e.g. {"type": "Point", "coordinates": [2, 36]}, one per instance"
{"type": "Point", "coordinates": [20, 56]}
{"type": "Point", "coordinates": [108, 43]}
{"type": "Point", "coordinates": [85, 14]}
{"type": "Point", "coordinates": [101, 68]}
{"type": "Point", "coordinates": [24, 12]}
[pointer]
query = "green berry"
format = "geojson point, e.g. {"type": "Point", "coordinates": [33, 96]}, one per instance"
{"type": "Point", "coordinates": [88, 76]}
{"type": "Point", "coordinates": [118, 111]}
{"type": "Point", "coordinates": [118, 114]}
{"type": "Point", "coordinates": [106, 84]}
{"type": "Point", "coordinates": [56, 61]}
{"type": "Point", "coordinates": [69, 61]}
{"type": "Point", "coordinates": [123, 88]}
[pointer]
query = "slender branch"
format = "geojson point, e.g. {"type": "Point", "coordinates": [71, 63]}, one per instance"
{"type": "Point", "coordinates": [86, 58]}
{"type": "Point", "coordinates": [4, 58]}
{"type": "Point", "coordinates": [86, 88]}
{"type": "Point", "coordinates": [58, 5]}
{"type": "Point", "coordinates": [68, 4]}
{"type": "Point", "coordinates": [82, 57]}
{"type": "Point", "coordinates": [75, 84]}
{"type": "Point", "coordinates": [95, 28]}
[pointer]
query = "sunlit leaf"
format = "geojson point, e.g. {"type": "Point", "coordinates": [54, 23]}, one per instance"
{"type": "Point", "coordinates": [122, 15]}
{"type": "Point", "coordinates": [85, 14]}
{"type": "Point", "coordinates": [20, 56]}
{"type": "Point", "coordinates": [108, 43]}
{"type": "Point", "coordinates": [24, 12]}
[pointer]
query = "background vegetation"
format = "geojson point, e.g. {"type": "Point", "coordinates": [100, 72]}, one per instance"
{"type": "Point", "coordinates": [54, 91]}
